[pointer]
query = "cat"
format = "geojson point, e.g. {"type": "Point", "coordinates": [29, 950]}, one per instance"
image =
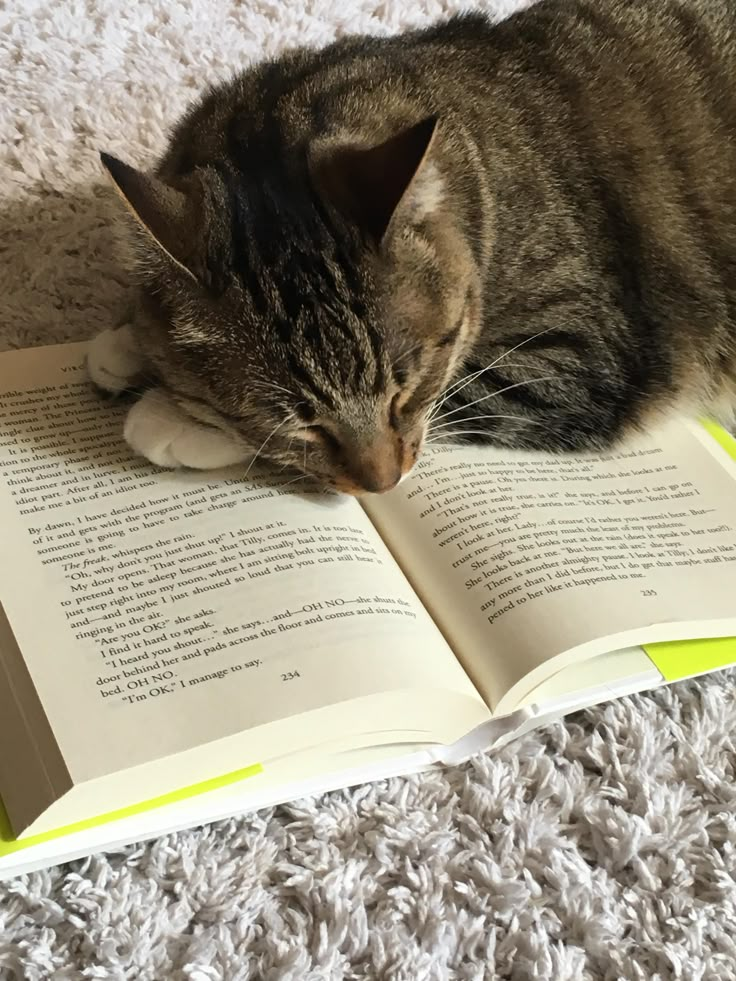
{"type": "Point", "coordinates": [521, 233]}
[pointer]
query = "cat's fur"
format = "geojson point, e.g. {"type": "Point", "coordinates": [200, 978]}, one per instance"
{"type": "Point", "coordinates": [546, 206]}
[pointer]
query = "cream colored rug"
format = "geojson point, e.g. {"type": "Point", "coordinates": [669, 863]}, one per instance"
{"type": "Point", "coordinates": [601, 849]}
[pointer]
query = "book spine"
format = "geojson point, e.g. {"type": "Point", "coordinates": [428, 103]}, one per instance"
{"type": "Point", "coordinates": [33, 774]}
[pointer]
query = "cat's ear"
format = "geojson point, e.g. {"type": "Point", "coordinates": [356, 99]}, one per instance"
{"type": "Point", "coordinates": [368, 183]}
{"type": "Point", "coordinates": [170, 217]}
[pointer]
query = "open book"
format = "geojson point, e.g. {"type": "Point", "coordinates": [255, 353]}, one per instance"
{"type": "Point", "coordinates": [208, 643]}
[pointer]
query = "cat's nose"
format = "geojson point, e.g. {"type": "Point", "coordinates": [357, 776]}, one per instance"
{"type": "Point", "coordinates": [376, 468]}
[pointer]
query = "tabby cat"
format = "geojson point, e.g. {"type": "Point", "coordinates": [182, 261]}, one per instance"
{"type": "Point", "coordinates": [522, 233]}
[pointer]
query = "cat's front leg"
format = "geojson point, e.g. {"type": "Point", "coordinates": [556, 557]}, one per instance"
{"type": "Point", "coordinates": [158, 429]}
{"type": "Point", "coordinates": [114, 361]}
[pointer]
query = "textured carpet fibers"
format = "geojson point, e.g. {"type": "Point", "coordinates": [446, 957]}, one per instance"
{"type": "Point", "coordinates": [603, 848]}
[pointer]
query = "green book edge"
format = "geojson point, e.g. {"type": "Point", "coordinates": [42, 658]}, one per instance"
{"type": "Point", "coordinates": [678, 659]}
{"type": "Point", "coordinates": [10, 844]}
{"type": "Point", "coordinates": [674, 659]}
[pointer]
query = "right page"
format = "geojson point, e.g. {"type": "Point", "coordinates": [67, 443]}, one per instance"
{"type": "Point", "coordinates": [528, 562]}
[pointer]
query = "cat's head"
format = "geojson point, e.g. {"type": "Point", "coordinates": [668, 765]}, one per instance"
{"type": "Point", "coordinates": [317, 305]}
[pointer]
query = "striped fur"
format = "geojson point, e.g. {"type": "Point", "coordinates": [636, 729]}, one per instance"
{"type": "Point", "coordinates": [575, 205]}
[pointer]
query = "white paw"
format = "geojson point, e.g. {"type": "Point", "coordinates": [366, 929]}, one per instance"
{"type": "Point", "coordinates": [159, 430]}
{"type": "Point", "coordinates": [113, 360]}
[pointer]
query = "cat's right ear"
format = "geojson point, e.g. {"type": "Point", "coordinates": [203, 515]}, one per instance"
{"type": "Point", "coordinates": [169, 217]}
{"type": "Point", "coordinates": [368, 183]}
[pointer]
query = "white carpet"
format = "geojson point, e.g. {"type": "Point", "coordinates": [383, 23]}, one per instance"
{"type": "Point", "coordinates": [603, 849]}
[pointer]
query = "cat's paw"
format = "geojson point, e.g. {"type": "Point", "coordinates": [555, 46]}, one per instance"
{"type": "Point", "coordinates": [114, 363]}
{"type": "Point", "coordinates": [159, 430]}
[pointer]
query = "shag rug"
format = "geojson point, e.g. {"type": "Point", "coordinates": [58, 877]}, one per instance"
{"type": "Point", "coordinates": [598, 849]}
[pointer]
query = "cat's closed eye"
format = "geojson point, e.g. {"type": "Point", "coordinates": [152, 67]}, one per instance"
{"type": "Point", "coordinates": [322, 433]}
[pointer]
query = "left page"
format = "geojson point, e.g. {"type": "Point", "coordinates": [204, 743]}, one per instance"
{"type": "Point", "coordinates": [156, 611]}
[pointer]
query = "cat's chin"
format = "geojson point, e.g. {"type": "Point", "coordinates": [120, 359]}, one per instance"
{"type": "Point", "coordinates": [157, 429]}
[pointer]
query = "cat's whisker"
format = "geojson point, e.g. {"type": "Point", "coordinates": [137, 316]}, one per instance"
{"type": "Point", "coordinates": [301, 476]}
{"type": "Point", "coordinates": [451, 434]}
{"type": "Point", "coordinates": [263, 444]}
{"type": "Point", "coordinates": [406, 351]}
{"type": "Point", "coordinates": [286, 453]}
{"type": "Point", "coordinates": [515, 364]}
{"type": "Point", "coordinates": [454, 435]}
{"type": "Point", "coordinates": [426, 419]}
{"type": "Point", "coordinates": [444, 397]}
{"type": "Point", "coordinates": [500, 391]}
{"type": "Point", "coordinates": [477, 432]}
{"type": "Point", "coordinates": [456, 387]}
{"type": "Point", "coordinates": [435, 429]}
{"type": "Point", "coordinates": [272, 386]}
{"type": "Point", "coordinates": [438, 403]}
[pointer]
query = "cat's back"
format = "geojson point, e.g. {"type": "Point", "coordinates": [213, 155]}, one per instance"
{"type": "Point", "coordinates": [674, 59]}
{"type": "Point", "coordinates": [639, 81]}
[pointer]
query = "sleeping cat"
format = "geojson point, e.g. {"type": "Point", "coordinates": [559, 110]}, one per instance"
{"type": "Point", "coordinates": [522, 233]}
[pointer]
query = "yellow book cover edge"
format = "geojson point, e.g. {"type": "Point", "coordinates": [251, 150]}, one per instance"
{"type": "Point", "coordinates": [688, 658]}
{"type": "Point", "coordinates": [10, 844]}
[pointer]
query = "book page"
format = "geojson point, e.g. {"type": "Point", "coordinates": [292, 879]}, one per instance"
{"type": "Point", "coordinates": [523, 557]}
{"type": "Point", "coordinates": [157, 610]}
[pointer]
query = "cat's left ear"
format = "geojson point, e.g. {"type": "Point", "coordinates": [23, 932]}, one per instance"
{"type": "Point", "coordinates": [170, 218]}
{"type": "Point", "coordinates": [368, 184]}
